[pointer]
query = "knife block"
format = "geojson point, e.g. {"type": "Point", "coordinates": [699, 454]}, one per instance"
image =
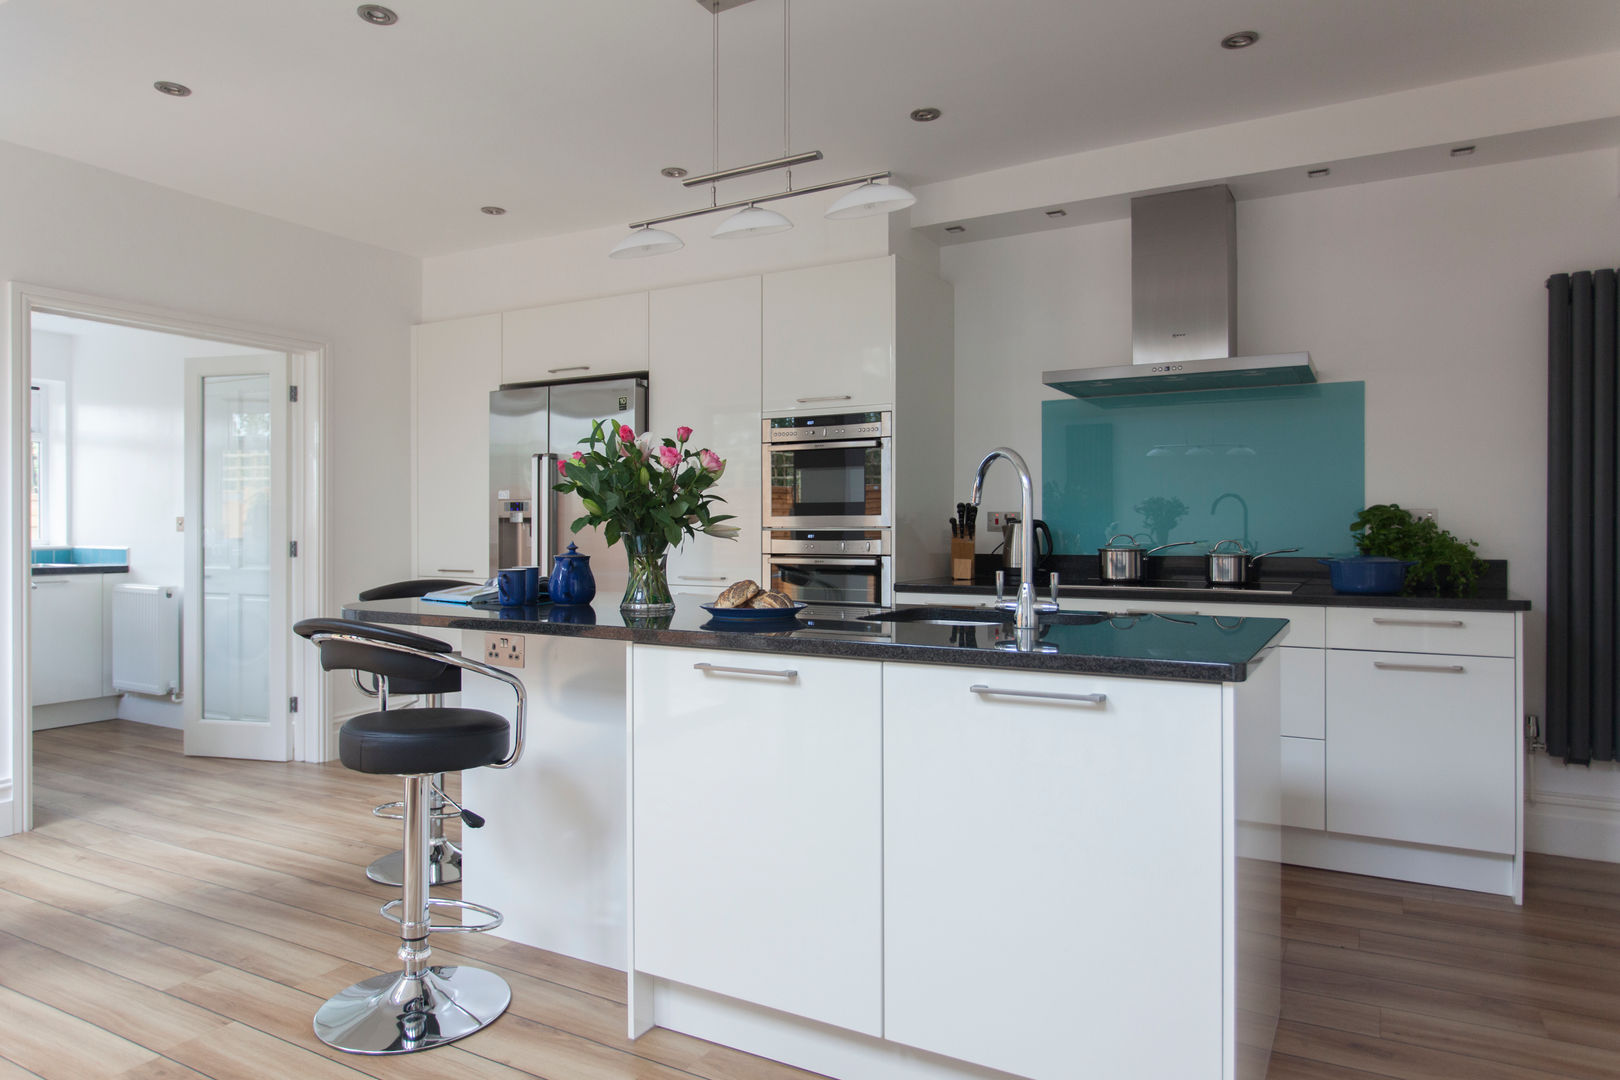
{"type": "Point", "coordinates": [962, 559]}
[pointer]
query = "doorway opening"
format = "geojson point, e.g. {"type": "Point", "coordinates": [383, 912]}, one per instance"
{"type": "Point", "coordinates": [171, 512]}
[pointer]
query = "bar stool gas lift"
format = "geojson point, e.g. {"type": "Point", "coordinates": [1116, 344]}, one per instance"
{"type": "Point", "coordinates": [420, 1006]}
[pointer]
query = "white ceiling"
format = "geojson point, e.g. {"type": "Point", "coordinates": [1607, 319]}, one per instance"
{"type": "Point", "coordinates": [564, 112]}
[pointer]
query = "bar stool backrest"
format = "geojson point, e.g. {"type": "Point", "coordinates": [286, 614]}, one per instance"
{"type": "Point", "coordinates": [407, 673]}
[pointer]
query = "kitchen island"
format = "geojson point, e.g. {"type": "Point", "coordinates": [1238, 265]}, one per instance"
{"type": "Point", "coordinates": [898, 849]}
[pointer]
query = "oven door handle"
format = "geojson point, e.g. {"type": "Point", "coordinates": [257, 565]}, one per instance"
{"type": "Point", "coordinates": [875, 561]}
{"type": "Point", "coordinates": [842, 444]}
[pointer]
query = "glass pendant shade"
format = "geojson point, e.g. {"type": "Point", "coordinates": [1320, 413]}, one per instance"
{"type": "Point", "coordinates": [646, 241]}
{"type": "Point", "coordinates": [752, 221]}
{"type": "Point", "coordinates": [869, 199]}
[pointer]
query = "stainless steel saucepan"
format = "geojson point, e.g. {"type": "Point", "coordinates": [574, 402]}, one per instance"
{"type": "Point", "coordinates": [1232, 567]}
{"type": "Point", "coordinates": [1121, 564]}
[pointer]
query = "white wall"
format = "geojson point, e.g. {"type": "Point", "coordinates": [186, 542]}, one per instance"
{"type": "Point", "coordinates": [1429, 288]}
{"type": "Point", "coordinates": [69, 226]}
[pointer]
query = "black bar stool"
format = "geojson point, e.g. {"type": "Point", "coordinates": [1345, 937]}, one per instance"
{"type": "Point", "coordinates": [444, 857]}
{"type": "Point", "coordinates": [420, 1006]}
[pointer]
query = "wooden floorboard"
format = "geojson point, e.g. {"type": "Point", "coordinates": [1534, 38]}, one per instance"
{"type": "Point", "coordinates": [175, 918]}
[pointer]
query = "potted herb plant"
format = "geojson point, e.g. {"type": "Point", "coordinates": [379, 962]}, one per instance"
{"type": "Point", "coordinates": [1439, 560]}
{"type": "Point", "coordinates": [651, 494]}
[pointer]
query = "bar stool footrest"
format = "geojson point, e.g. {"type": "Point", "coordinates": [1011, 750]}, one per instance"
{"type": "Point", "coordinates": [495, 918]}
{"type": "Point", "coordinates": [395, 811]}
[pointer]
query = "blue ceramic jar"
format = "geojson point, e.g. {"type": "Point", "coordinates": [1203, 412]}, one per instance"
{"type": "Point", "coordinates": [571, 580]}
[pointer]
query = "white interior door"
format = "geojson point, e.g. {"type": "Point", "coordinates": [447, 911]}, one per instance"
{"type": "Point", "coordinates": [235, 610]}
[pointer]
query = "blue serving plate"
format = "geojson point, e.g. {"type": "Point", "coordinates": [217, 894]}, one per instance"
{"type": "Point", "coordinates": [754, 615]}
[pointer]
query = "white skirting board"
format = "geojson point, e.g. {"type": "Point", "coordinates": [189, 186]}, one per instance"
{"type": "Point", "coordinates": [807, 1044]}
{"type": "Point", "coordinates": [8, 818]}
{"type": "Point", "coordinates": [1476, 871]}
{"type": "Point", "coordinates": [1579, 828]}
{"type": "Point", "coordinates": [70, 713]}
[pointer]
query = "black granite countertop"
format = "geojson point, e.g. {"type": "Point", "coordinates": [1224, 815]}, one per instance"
{"type": "Point", "coordinates": [1282, 581]}
{"type": "Point", "coordinates": [1180, 647]}
{"type": "Point", "coordinates": [50, 569]}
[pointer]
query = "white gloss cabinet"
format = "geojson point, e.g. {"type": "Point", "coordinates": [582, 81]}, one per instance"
{"type": "Point", "coordinates": [757, 836]}
{"type": "Point", "coordinates": [65, 637]}
{"type": "Point", "coordinates": [704, 372]}
{"type": "Point", "coordinates": [828, 336]}
{"type": "Point", "coordinates": [455, 365]}
{"type": "Point", "coordinates": [1304, 778]}
{"type": "Point", "coordinates": [1422, 749]}
{"type": "Point", "coordinates": [585, 339]}
{"type": "Point", "coordinates": [1028, 843]}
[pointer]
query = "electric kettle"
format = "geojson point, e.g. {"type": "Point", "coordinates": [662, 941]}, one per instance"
{"type": "Point", "coordinates": [1012, 545]}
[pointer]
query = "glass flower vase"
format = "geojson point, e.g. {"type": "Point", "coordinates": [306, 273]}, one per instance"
{"type": "Point", "coordinates": [647, 591]}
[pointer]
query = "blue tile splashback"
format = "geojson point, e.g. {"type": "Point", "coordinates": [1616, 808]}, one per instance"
{"type": "Point", "coordinates": [81, 556]}
{"type": "Point", "coordinates": [1277, 467]}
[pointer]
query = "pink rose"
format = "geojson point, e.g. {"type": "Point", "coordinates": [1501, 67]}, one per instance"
{"type": "Point", "coordinates": [712, 462]}
{"type": "Point", "coordinates": [670, 456]}
{"type": "Point", "coordinates": [579, 455]}
{"type": "Point", "coordinates": [682, 434]}
{"type": "Point", "coordinates": [562, 468]}
{"type": "Point", "coordinates": [625, 434]}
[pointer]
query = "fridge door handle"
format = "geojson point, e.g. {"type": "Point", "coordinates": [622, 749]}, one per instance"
{"type": "Point", "coordinates": [541, 542]}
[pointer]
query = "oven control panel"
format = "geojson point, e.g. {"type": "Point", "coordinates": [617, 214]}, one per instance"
{"type": "Point", "coordinates": [800, 429]}
{"type": "Point", "coordinates": [827, 541]}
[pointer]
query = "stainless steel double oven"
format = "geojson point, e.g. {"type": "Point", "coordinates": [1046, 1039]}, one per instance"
{"type": "Point", "coordinates": [829, 508]}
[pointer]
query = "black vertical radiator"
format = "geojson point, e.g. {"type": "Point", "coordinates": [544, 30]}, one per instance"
{"type": "Point", "coordinates": [1583, 623]}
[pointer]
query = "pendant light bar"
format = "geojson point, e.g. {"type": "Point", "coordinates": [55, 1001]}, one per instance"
{"type": "Point", "coordinates": [735, 171]}
{"type": "Point", "coordinates": [740, 203]}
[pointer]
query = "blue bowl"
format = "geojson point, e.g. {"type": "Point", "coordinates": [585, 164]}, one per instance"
{"type": "Point", "coordinates": [1370, 575]}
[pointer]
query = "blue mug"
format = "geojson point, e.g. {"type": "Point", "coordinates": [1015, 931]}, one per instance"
{"type": "Point", "coordinates": [531, 584]}
{"type": "Point", "coordinates": [510, 589]}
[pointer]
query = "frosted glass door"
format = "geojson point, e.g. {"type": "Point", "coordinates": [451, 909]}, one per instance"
{"type": "Point", "coordinates": [236, 559]}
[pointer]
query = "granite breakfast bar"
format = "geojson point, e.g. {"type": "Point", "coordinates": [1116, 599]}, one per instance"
{"type": "Point", "coordinates": [897, 848]}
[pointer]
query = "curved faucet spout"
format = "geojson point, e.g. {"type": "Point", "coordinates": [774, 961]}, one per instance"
{"type": "Point", "coordinates": [1025, 607]}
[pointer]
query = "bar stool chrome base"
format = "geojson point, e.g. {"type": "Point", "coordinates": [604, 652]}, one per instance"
{"type": "Point", "coordinates": [397, 1014]}
{"type": "Point", "coordinates": [444, 866]}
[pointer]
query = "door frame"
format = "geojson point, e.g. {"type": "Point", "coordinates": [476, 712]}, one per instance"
{"type": "Point", "coordinates": [307, 497]}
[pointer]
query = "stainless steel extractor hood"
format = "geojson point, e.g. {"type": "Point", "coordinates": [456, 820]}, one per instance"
{"type": "Point", "coordinates": [1183, 306]}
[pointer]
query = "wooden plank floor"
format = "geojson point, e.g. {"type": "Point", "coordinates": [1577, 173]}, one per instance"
{"type": "Point", "coordinates": [181, 917]}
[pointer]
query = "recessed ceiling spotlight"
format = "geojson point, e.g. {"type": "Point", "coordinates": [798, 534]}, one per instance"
{"type": "Point", "coordinates": [1240, 40]}
{"type": "Point", "coordinates": [173, 89]}
{"type": "Point", "coordinates": [492, 211]}
{"type": "Point", "coordinates": [376, 15]}
{"type": "Point", "coordinates": [955, 228]}
{"type": "Point", "coordinates": [922, 116]}
{"type": "Point", "coordinates": [674, 172]}
{"type": "Point", "coordinates": [1317, 174]}
{"type": "Point", "coordinates": [1059, 212]}
{"type": "Point", "coordinates": [1461, 151]}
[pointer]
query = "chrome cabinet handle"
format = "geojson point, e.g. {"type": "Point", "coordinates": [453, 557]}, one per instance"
{"type": "Point", "coordinates": [1084, 699]}
{"type": "Point", "coordinates": [1439, 669]}
{"type": "Point", "coordinates": [570, 367]}
{"type": "Point", "coordinates": [444, 570]}
{"type": "Point", "coordinates": [825, 397]}
{"type": "Point", "coordinates": [699, 577]}
{"type": "Point", "coordinates": [716, 669]}
{"type": "Point", "coordinates": [48, 581]}
{"type": "Point", "coordinates": [1449, 623]}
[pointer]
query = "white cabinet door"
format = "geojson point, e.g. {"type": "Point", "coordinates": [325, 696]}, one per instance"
{"type": "Point", "coordinates": [1421, 748]}
{"type": "Point", "coordinates": [757, 806]}
{"type": "Point", "coordinates": [1304, 763]}
{"type": "Point", "coordinates": [65, 637]}
{"type": "Point", "coordinates": [703, 373]}
{"type": "Point", "coordinates": [1049, 898]}
{"type": "Point", "coordinates": [1304, 692]}
{"type": "Point", "coordinates": [581, 340]}
{"type": "Point", "coordinates": [457, 364]}
{"type": "Point", "coordinates": [829, 338]}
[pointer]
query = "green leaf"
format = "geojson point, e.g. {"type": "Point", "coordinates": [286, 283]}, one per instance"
{"type": "Point", "coordinates": [579, 523]}
{"type": "Point", "coordinates": [672, 532]}
{"type": "Point", "coordinates": [611, 533]}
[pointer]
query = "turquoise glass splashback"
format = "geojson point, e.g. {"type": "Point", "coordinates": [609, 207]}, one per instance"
{"type": "Point", "coordinates": [1276, 468]}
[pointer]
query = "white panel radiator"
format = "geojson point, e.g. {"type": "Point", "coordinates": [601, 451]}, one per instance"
{"type": "Point", "coordinates": [146, 638]}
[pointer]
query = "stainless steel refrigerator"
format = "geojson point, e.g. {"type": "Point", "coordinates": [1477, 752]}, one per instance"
{"type": "Point", "coordinates": [529, 428]}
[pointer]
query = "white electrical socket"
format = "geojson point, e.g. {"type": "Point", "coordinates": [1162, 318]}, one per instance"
{"type": "Point", "coordinates": [504, 650]}
{"type": "Point", "coordinates": [1419, 513]}
{"type": "Point", "coordinates": [998, 518]}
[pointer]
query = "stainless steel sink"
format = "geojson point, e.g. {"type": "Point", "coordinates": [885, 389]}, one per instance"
{"type": "Point", "coordinates": [943, 616]}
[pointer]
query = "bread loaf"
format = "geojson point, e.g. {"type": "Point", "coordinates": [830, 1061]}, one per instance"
{"type": "Point", "coordinates": [738, 594]}
{"type": "Point", "coordinates": [771, 599]}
